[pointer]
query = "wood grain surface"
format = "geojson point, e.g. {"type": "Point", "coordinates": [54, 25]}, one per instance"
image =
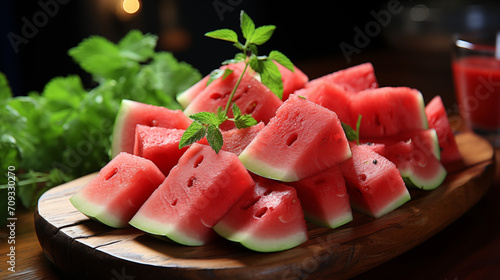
{"type": "Point", "coordinates": [89, 250]}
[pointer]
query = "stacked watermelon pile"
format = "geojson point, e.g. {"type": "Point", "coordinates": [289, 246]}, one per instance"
{"type": "Point", "coordinates": [296, 165]}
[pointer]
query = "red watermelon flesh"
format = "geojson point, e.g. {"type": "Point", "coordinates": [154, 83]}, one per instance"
{"type": "Point", "coordinates": [236, 140]}
{"type": "Point", "coordinates": [160, 145]}
{"type": "Point", "coordinates": [300, 141]}
{"type": "Point", "coordinates": [373, 182]}
{"type": "Point", "coordinates": [330, 96]}
{"type": "Point", "coordinates": [292, 81]}
{"type": "Point", "coordinates": [268, 218]}
{"type": "Point", "coordinates": [438, 119]}
{"type": "Point", "coordinates": [188, 95]}
{"type": "Point", "coordinates": [132, 113]}
{"type": "Point", "coordinates": [418, 166]}
{"type": "Point", "coordinates": [353, 79]}
{"type": "Point", "coordinates": [388, 111]}
{"type": "Point", "coordinates": [196, 194]}
{"type": "Point", "coordinates": [252, 97]}
{"type": "Point", "coordinates": [119, 190]}
{"type": "Point", "coordinates": [324, 198]}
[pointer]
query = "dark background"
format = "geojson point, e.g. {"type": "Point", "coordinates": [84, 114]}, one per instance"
{"type": "Point", "coordinates": [309, 32]}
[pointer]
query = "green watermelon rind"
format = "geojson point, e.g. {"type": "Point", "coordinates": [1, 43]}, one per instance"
{"type": "Point", "coordinates": [396, 203]}
{"type": "Point", "coordinates": [412, 180]}
{"type": "Point", "coordinates": [262, 168]}
{"type": "Point", "coordinates": [336, 222]}
{"type": "Point", "coordinates": [125, 107]}
{"type": "Point", "coordinates": [162, 230]}
{"type": "Point", "coordinates": [423, 115]}
{"type": "Point", "coordinates": [249, 241]}
{"type": "Point", "coordinates": [96, 211]}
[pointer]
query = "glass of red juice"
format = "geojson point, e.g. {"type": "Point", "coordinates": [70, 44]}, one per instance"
{"type": "Point", "coordinates": [476, 75]}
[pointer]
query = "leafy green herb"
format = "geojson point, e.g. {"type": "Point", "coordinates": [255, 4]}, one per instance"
{"type": "Point", "coordinates": [264, 65]}
{"type": "Point", "coordinates": [64, 132]}
{"type": "Point", "coordinates": [351, 134]}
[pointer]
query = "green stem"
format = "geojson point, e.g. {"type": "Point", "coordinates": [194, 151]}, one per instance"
{"type": "Point", "coordinates": [234, 89]}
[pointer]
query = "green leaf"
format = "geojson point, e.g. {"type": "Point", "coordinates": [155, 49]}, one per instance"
{"type": "Point", "coordinates": [195, 132]}
{"type": "Point", "coordinates": [221, 116]}
{"type": "Point", "coordinates": [271, 77]}
{"type": "Point", "coordinates": [245, 121]}
{"type": "Point", "coordinates": [282, 59]}
{"type": "Point", "coordinates": [262, 34]}
{"type": "Point", "coordinates": [236, 111]}
{"type": "Point", "coordinates": [214, 138]}
{"type": "Point", "coordinates": [223, 34]}
{"type": "Point", "coordinates": [247, 26]}
{"type": "Point", "coordinates": [99, 57]}
{"type": "Point", "coordinates": [206, 118]}
{"type": "Point", "coordinates": [5, 91]}
{"type": "Point", "coordinates": [256, 64]}
{"type": "Point", "coordinates": [217, 73]}
{"type": "Point", "coordinates": [137, 46]}
{"type": "Point", "coordinates": [351, 134]}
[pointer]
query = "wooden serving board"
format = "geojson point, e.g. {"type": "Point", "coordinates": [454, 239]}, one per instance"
{"type": "Point", "coordinates": [87, 249]}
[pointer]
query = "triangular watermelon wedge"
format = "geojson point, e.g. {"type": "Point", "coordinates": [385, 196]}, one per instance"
{"type": "Point", "coordinates": [303, 139]}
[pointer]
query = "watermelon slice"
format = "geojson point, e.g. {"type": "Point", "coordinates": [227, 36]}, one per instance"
{"type": "Point", "coordinates": [268, 218]}
{"type": "Point", "coordinates": [251, 96]}
{"type": "Point", "coordinates": [184, 98]}
{"type": "Point", "coordinates": [132, 113]}
{"type": "Point", "coordinates": [353, 79]}
{"type": "Point", "coordinates": [160, 145]}
{"type": "Point", "coordinates": [300, 141]}
{"type": "Point", "coordinates": [196, 194]}
{"type": "Point", "coordinates": [373, 182]}
{"type": "Point", "coordinates": [416, 155]}
{"type": "Point", "coordinates": [438, 119]}
{"type": "Point", "coordinates": [324, 198]}
{"type": "Point", "coordinates": [116, 193]}
{"type": "Point", "coordinates": [419, 167]}
{"type": "Point", "coordinates": [388, 111]}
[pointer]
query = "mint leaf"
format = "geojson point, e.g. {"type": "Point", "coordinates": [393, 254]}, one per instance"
{"type": "Point", "coordinates": [5, 91]}
{"type": "Point", "coordinates": [195, 132]}
{"type": "Point", "coordinates": [214, 138]}
{"type": "Point", "coordinates": [262, 34]}
{"type": "Point", "coordinates": [244, 121]}
{"type": "Point", "coordinates": [136, 46]}
{"type": "Point", "coordinates": [282, 59]}
{"type": "Point", "coordinates": [206, 118]}
{"type": "Point", "coordinates": [217, 73]}
{"type": "Point", "coordinates": [223, 34]}
{"type": "Point", "coordinates": [236, 111]}
{"type": "Point", "coordinates": [271, 77]}
{"type": "Point", "coordinates": [247, 26]}
{"type": "Point", "coordinates": [351, 134]}
{"type": "Point", "coordinates": [99, 57]}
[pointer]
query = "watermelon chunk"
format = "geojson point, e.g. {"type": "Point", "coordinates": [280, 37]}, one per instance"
{"type": "Point", "coordinates": [353, 79]}
{"type": "Point", "coordinates": [419, 167]}
{"type": "Point", "coordinates": [300, 141]}
{"type": "Point", "coordinates": [268, 218]}
{"type": "Point", "coordinates": [196, 194]}
{"type": "Point", "coordinates": [160, 145]}
{"type": "Point", "coordinates": [324, 198]}
{"type": "Point", "coordinates": [116, 193]}
{"type": "Point", "coordinates": [388, 111]}
{"type": "Point", "coordinates": [132, 113]}
{"type": "Point", "coordinates": [374, 183]}
{"type": "Point", "coordinates": [251, 96]}
{"type": "Point", "coordinates": [438, 119]}
{"type": "Point", "coordinates": [184, 98]}
{"type": "Point", "coordinates": [331, 96]}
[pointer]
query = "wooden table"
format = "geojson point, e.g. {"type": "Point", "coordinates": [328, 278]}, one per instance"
{"type": "Point", "coordinates": [467, 249]}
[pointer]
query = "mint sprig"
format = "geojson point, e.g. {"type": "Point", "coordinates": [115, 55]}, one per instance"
{"type": "Point", "coordinates": [207, 124]}
{"type": "Point", "coordinates": [351, 134]}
